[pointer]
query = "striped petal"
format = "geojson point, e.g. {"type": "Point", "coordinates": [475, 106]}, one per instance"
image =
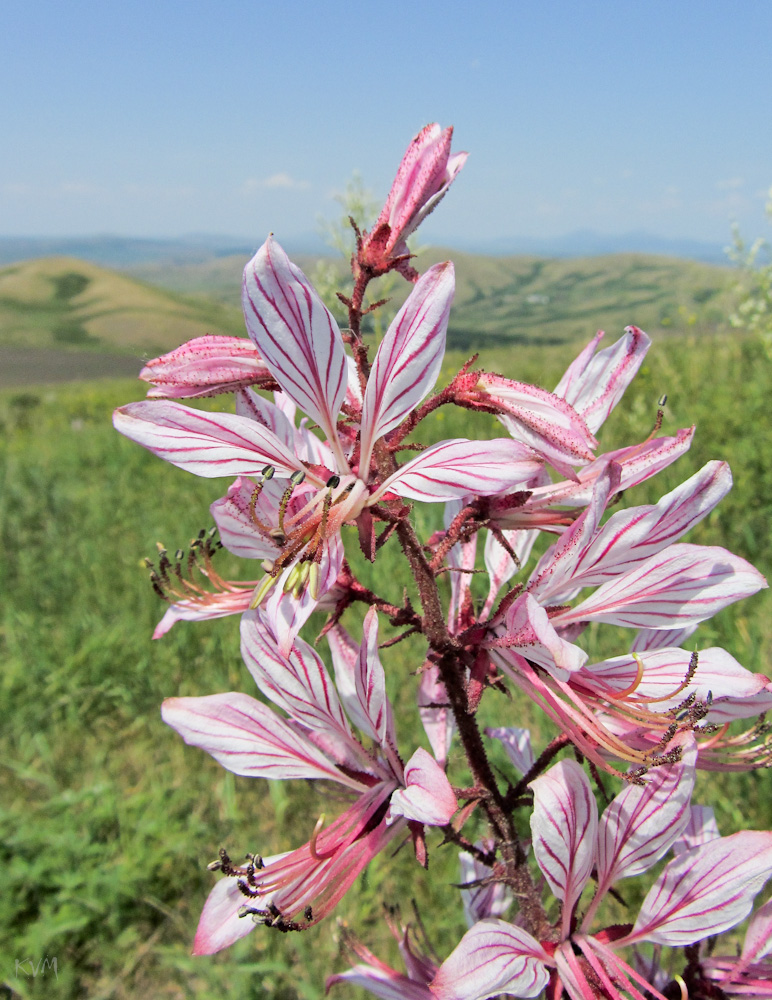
{"type": "Point", "coordinates": [297, 682]}
{"type": "Point", "coordinates": [493, 957]}
{"type": "Point", "coordinates": [248, 738]}
{"type": "Point", "coordinates": [555, 576]}
{"type": "Point", "coordinates": [669, 677]}
{"type": "Point", "coordinates": [517, 743]}
{"type": "Point", "coordinates": [700, 828]}
{"type": "Point", "coordinates": [499, 563]}
{"type": "Point", "coordinates": [758, 938]}
{"type": "Point", "coordinates": [409, 358]}
{"type": "Point", "coordinates": [529, 632]}
{"type": "Point", "coordinates": [220, 925]}
{"type": "Point", "coordinates": [631, 536]}
{"type": "Point", "coordinates": [682, 585]}
{"type": "Point", "coordinates": [238, 531]}
{"type": "Point", "coordinates": [436, 714]}
{"type": "Point", "coordinates": [427, 796]}
{"type": "Point", "coordinates": [361, 681]}
{"type": "Point", "coordinates": [643, 821]}
{"type": "Point", "coordinates": [206, 444]}
{"type": "Point", "coordinates": [564, 826]}
{"type": "Point", "coordinates": [491, 899]}
{"type": "Point", "coordinates": [705, 891]}
{"type": "Point", "coordinates": [249, 404]}
{"type": "Point", "coordinates": [382, 982]}
{"type": "Point", "coordinates": [218, 605]}
{"type": "Point", "coordinates": [455, 469]}
{"type": "Point", "coordinates": [594, 383]}
{"type": "Point", "coordinates": [286, 612]}
{"type": "Point", "coordinates": [296, 335]}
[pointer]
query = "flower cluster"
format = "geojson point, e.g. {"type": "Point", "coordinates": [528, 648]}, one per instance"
{"type": "Point", "coordinates": [319, 466]}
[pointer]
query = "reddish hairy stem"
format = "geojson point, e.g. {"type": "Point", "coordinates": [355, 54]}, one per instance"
{"type": "Point", "coordinates": [447, 647]}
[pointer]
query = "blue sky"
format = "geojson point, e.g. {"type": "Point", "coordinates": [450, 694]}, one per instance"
{"type": "Point", "coordinates": [165, 118]}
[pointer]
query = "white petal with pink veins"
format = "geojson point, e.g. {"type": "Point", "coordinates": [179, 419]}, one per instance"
{"type": "Point", "coordinates": [228, 602]}
{"type": "Point", "coordinates": [238, 531]}
{"type": "Point", "coordinates": [297, 682]}
{"type": "Point", "coordinates": [458, 468]}
{"type": "Point", "coordinates": [517, 743]}
{"type": "Point", "coordinates": [248, 738]}
{"type": "Point", "coordinates": [734, 692]}
{"type": "Point", "coordinates": [681, 585]}
{"type": "Point", "coordinates": [642, 821]}
{"type": "Point", "coordinates": [428, 797]}
{"type": "Point", "coordinates": [564, 826]}
{"type": "Point", "coordinates": [288, 612]}
{"type": "Point", "coordinates": [529, 632]}
{"type": "Point", "coordinates": [700, 828]}
{"type": "Point", "coordinates": [705, 891]}
{"type": "Point", "coordinates": [631, 536]}
{"type": "Point", "coordinates": [220, 924]}
{"type": "Point", "coordinates": [296, 335]}
{"type": "Point", "coordinates": [595, 382]}
{"type": "Point", "coordinates": [436, 714]}
{"type": "Point", "coordinates": [263, 411]}
{"type": "Point", "coordinates": [409, 358]}
{"type": "Point", "coordinates": [758, 938]}
{"type": "Point", "coordinates": [207, 444]}
{"type": "Point", "coordinates": [493, 957]}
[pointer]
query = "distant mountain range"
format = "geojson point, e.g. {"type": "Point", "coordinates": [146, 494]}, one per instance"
{"type": "Point", "coordinates": [120, 251]}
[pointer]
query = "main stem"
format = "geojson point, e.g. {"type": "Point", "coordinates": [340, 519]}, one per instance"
{"type": "Point", "coordinates": [449, 657]}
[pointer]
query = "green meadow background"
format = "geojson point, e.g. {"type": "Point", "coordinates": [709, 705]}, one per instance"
{"type": "Point", "coordinates": [108, 820]}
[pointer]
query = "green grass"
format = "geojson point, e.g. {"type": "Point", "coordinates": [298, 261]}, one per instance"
{"type": "Point", "coordinates": [108, 820]}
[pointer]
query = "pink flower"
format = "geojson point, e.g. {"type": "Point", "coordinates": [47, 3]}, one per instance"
{"type": "Point", "coordinates": [425, 174]}
{"type": "Point", "coordinates": [702, 892]}
{"type": "Point", "coordinates": [645, 579]}
{"type": "Point", "coordinates": [314, 741]}
{"type": "Point", "coordinates": [302, 348]}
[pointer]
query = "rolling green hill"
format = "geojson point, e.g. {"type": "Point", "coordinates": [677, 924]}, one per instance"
{"type": "Point", "coordinates": [63, 318]}
{"type": "Point", "coordinates": [65, 303]}
{"type": "Point", "coordinates": [527, 299]}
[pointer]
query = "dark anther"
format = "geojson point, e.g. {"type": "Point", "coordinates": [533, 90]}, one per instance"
{"type": "Point", "coordinates": [268, 472]}
{"type": "Point", "coordinates": [333, 482]}
{"type": "Point", "coordinates": [297, 477]}
{"type": "Point", "coordinates": [308, 913]}
{"type": "Point", "coordinates": [662, 399]}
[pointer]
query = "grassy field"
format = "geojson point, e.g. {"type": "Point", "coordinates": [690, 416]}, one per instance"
{"type": "Point", "coordinates": [108, 820]}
